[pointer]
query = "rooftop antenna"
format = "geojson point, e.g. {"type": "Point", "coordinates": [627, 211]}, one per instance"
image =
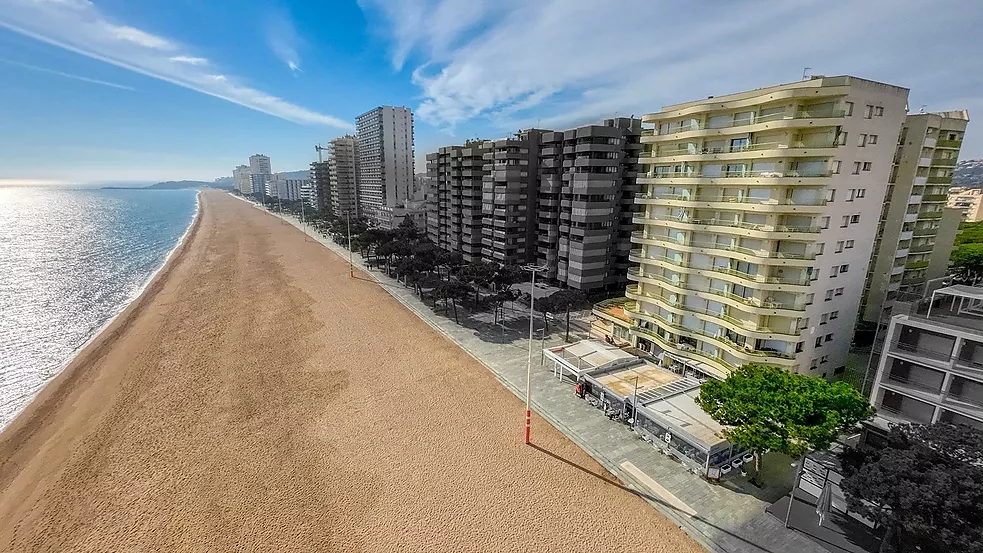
{"type": "Point", "coordinates": [805, 73]}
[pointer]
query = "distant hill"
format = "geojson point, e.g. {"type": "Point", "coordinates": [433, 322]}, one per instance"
{"type": "Point", "coordinates": [178, 184]}
{"type": "Point", "coordinates": [969, 173]}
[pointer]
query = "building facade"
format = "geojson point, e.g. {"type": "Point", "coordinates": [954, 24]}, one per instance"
{"type": "Point", "coordinates": [320, 185]}
{"type": "Point", "coordinates": [967, 202]}
{"type": "Point", "coordinates": [259, 164]}
{"type": "Point", "coordinates": [454, 215]}
{"type": "Point", "coordinates": [509, 198]}
{"type": "Point", "coordinates": [385, 159]}
{"type": "Point", "coordinates": [585, 203]}
{"type": "Point", "coordinates": [240, 177]}
{"type": "Point", "coordinates": [931, 368]}
{"type": "Point", "coordinates": [916, 231]}
{"type": "Point", "coordinates": [760, 210]}
{"type": "Point", "coordinates": [342, 176]}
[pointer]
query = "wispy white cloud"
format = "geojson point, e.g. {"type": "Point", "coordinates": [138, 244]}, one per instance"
{"type": "Point", "coordinates": [40, 69]}
{"type": "Point", "coordinates": [570, 61]}
{"type": "Point", "coordinates": [189, 60]}
{"type": "Point", "coordinates": [283, 40]}
{"type": "Point", "coordinates": [81, 27]}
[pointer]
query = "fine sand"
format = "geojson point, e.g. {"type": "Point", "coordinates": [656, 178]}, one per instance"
{"type": "Point", "coordinates": [256, 398]}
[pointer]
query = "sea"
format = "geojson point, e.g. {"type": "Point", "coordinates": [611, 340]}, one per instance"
{"type": "Point", "coordinates": [71, 259]}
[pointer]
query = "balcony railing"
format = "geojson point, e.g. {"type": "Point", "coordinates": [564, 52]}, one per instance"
{"type": "Point", "coordinates": [948, 143]}
{"type": "Point", "coordinates": [935, 389]}
{"type": "Point", "coordinates": [930, 215]}
{"type": "Point", "coordinates": [915, 265]}
{"type": "Point", "coordinates": [925, 232]}
{"type": "Point", "coordinates": [939, 180]}
{"type": "Point", "coordinates": [943, 162]}
{"type": "Point", "coordinates": [726, 223]}
{"type": "Point", "coordinates": [737, 175]}
{"type": "Point", "coordinates": [935, 198]}
{"type": "Point", "coordinates": [732, 200]}
{"type": "Point", "coordinates": [726, 247]}
{"type": "Point", "coordinates": [750, 302]}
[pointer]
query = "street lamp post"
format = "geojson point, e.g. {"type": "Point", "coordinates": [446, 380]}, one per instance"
{"type": "Point", "coordinates": [532, 302]}
{"type": "Point", "coordinates": [351, 262]}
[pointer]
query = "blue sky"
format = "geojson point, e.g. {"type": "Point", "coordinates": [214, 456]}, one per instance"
{"type": "Point", "coordinates": [126, 90]}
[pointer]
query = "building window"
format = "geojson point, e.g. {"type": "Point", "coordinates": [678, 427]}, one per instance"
{"type": "Point", "coordinates": [820, 247]}
{"type": "Point", "coordinates": [879, 111]}
{"type": "Point", "coordinates": [830, 195]}
{"type": "Point", "coordinates": [849, 244]}
{"type": "Point", "coordinates": [868, 165]}
{"type": "Point", "coordinates": [834, 315]}
{"type": "Point", "coordinates": [856, 167]}
{"type": "Point", "coordinates": [846, 221]}
{"type": "Point", "coordinates": [819, 342]}
{"type": "Point", "coordinates": [872, 139]}
{"type": "Point", "coordinates": [829, 295]}
{"type": "Point", "coordinates": [836, 167]}
{"type": "Point", "coordinates": [854, 219]}
{"type": "Point", "coordinates": [861, 192]}
{"type": "Point", "coordinates": [824, 222]}
{"type": "Point", "coordinates": [810, 298]}
{"type": "Point", "coordinates": [862, 141]}
{"type": "Point", "coordinates": [839, 246]}
{"type": "Point", "coordinates": [868, 111]}
{"type": "Point", "coordinates": [829, 338]}
{"type": "Point", "coordinates": [841, 139]}
{"type": "Point", "coordinates": [849, 108]}
{"type": "Point", "coordinates": [838, 292]}
{"type": "Point", "coordinates": [844, 268]}
{"type": "Point", "coordinates": [814, 275]}
{"type": "Point", "coordinates": [823, 318]}
{"type": "Point", "coordinates": [823, 359]}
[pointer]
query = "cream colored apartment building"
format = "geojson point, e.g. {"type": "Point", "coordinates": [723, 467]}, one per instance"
{"type": "Point", "coordinates": [760, 210]}
{"type": "Point", "coordinates": [967, 201]}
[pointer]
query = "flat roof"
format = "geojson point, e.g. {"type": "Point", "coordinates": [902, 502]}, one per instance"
{"type": "Point", "coordinates": [649, 376]}
{"type": "Point", "coordinates": [590, 353]}
{"type": "Point", "coordinates": [682, 411]}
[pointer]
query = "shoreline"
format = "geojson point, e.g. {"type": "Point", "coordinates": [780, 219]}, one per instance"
{"type": "Point", "coordinates": [66, 381]}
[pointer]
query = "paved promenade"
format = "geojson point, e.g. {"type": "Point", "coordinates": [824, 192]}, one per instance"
{"type": "Point", "coordinates": [728, 517]}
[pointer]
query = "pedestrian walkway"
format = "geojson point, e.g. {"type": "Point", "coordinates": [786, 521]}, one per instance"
{"type": "Point", "coordinates": [727, 517]}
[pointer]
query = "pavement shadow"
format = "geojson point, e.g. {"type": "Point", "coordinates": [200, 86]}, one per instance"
{"type": "Point", "coordinates": [648, 497]}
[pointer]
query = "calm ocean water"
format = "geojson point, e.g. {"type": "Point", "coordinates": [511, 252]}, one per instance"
{"type": "Point", "coordinates": [70, 260]}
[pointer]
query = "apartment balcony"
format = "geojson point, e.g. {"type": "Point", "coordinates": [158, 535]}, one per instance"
{"type": "Point", "coordinates": [756, 205]}
{"type": "Point", "coordinates": [733, 178]}
{"type": "Point", "coordinates": [727, 250]}
{"type": "Point", "coordinates": [751, 305]}
{"type": "Point", "coordinates": [905, 235]}
{"type": "Point", "coordinates": [943, 162]}
{"type": "Point", "coordinates": [925, 232]}
{"type": "Point", "coordinates": [927, 215]}
{"type": "Point", "coordinates": [761, 282]}
{"type": "Point", "coordinates": [745, 152]}
{"type": "Point", "coordinates": [915, 265]}
{"type": "Point", "coordinates": [921, 248]}
{"type": "Point", "coordinates": [924, 161]}
{"type": "Point", "coordinates": [927, 198]}
{"type": "Point", "coordinates": [919, 181]}
{"type": "Point", "coordinates": [743, 352]}
{"type": "Point", "coordinates": [903, 408]}
{"type": "Point", "coordinates": [948, 144]}
{"type": "Point", "coordinates": [910, 217]}
{"type": "Point", "coordinates": [768, 232]}
{"type": "Point", "coordinates": [803, 118]}
{"type": "Point", "coordinates": [939, 180]}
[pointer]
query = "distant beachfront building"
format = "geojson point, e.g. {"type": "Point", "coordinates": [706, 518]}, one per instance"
{"type": "Point", "coordinates": [287, 186]}
{"type": "Point", "coordinates": [342, 176]}
{"type": "Point", "coordinates": [259, 164]}
{"type": "Point", "coordinates": [967, 201]}
{"type": "Point", "coordinates": [385, 159]}
{"type": "Point", "coordinates": [241, 180]}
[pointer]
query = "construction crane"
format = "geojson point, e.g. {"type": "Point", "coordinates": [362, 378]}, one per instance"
{"type": "Point", "coordinates": [319, 149]}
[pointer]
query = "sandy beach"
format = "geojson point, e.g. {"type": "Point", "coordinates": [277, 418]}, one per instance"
{"type": "Point", "coordinates": [256, 398]}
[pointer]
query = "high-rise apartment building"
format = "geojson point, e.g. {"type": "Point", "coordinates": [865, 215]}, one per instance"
{"type": "Point", "coordinates": [385, 159]}
{"type": "Point", "coordinates": [509, 198]}
{"type": "Point", "coordinates": [454, 216]}
{"type": "Point", "coordinates": [320, 185]}
{"type": "Point", "coordinates": [585, 203]}
{"type": "Point", "coordinates": [916, 230]}
{"type": "Point", "coordinates": [342, 175]}
{"type": "Point", "coordinates": [760, 210]}
{"type": "Point", "coordinates": [240, 176]}
{"type": "Point", "coordinates": [260, 173]}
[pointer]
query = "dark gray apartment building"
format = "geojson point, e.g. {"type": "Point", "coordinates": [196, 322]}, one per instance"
{"type": "Point", "coordinates": [585, 203]}
{"type": "Point", "coordinates": [509, 198]}
{"type": "Point", "coordinates": [454, 216]}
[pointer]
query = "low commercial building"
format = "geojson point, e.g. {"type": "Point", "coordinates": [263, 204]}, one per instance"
{"type": "Point", "coordinates": [660, 403]}
{"type": "Point", "coordinates": [392, 217]}
{"type": "Point", "coordinates": [931, 368]}
{"type": "Point", "coordinates": [967, 201]}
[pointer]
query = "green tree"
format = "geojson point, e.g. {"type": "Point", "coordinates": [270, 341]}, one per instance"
{"type": "Point", "coordinates": [478, 274]}
{"type": "Point", "coordinates": [770, 409]}
{"type": "Point", "coordinates": [925, 487]}
{"type": "Point", "coordinates": [562, 301]}
{"type": "Point", "coordinates": [967, 260]}
{"type": "Point", "coordinates": [970, 233]}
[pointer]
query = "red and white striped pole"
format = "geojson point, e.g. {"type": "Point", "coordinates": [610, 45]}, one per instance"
{"type": "Point", "coordinates": [532, 301]}
{"type": "Point", "coordinates": [351, 262]}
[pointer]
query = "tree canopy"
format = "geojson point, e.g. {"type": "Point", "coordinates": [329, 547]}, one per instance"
{"type": "Point", "coordinates": [925, 487]}
{"type": "Point", "coordinates": [562, 301]}
{"type": "Point", "coordinates": [967, 260]}
{"type": "Point", "coordinates": [771, 409]}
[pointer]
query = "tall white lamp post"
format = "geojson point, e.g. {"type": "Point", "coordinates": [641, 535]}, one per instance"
{"type": "Point", "coordinates": [532, 301]}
